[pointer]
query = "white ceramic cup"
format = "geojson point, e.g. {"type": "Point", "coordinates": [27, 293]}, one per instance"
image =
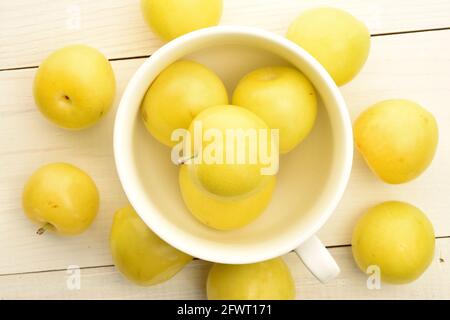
{"type": "Point", "coordinates": [311, 180]}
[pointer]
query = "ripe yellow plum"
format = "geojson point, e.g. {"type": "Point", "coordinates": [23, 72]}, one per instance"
{"type": "Point", "coordinates": [223, 213]}
{"type": "Point", "coordinates": [397, 238]}
{"type": "Point", "coordinates": [139, 254]}
{"type": "Point", "coordinates": [177, 95]}
{"type": "Point", "coordinates": [227, 183]}
{"type": "Point", "coordinates": [284, 98]}
{"type": "Point", "coordinates": [61, 198]}
{"type": "Point", "coordinates": [74, 87]}
{"type": "Point", "coordinates": [170, 19]}
{"type": "Point", "coordinates": [397, 138]}
{"type": "Point", "coordinates": [335, 38]}
{"type": "Point", "coordinates": [268, 280]}
{"type": "Point", "coordinates": [239, 128]}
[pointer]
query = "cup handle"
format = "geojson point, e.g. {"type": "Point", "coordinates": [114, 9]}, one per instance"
{"type": "Point", "coordinates": [318, 259]}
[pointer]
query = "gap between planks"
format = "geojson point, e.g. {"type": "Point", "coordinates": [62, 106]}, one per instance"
{"type": "Point", "coordinates": [383, 34]}
{"type": "Point", "coordinates": [112, 265]}
{"type": "Point", "coordinates": [389, 53]}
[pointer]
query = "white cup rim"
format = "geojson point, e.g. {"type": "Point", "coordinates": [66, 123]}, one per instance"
{"type": "Point", "coordinates": [124, 158]}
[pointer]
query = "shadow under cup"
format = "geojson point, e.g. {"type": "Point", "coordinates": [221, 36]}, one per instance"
{"type": "Point", "coordinates": [311, 178]}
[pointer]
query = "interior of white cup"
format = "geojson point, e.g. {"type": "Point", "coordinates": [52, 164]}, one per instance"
{"type": "Point", "coordinates": [311, 179]}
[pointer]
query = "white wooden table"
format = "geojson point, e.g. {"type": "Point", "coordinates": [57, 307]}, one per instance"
{"type": "Point", "coordinates": [410, 58]}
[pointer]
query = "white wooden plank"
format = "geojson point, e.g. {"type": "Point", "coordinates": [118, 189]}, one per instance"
{"type": "Point", "coordinates": [27, 142]}
{"type": "Point", "coordinates": [410, 66]}
{"type": "Point", "coordinates": [415, 66]}
{"type": "Point", "coordinates": [30, 30]}
{"type": "Point", "coordinates": [107, 283]}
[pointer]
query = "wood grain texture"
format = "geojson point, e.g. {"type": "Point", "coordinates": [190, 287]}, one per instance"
{"type": "Point", "coordinates": [415, 66]}
{"type": "Point", "coordinates": [107, 283]}
{"type": "Point", "coordinates": [29, 141]}
{"type": "Point", "coordinates": [409, 66]}
{"type": "Point", "coordinates": [30, 30]}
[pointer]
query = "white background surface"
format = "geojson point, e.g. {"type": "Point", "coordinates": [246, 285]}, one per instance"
{"type": "Point", "coordinates": [410, 58]}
